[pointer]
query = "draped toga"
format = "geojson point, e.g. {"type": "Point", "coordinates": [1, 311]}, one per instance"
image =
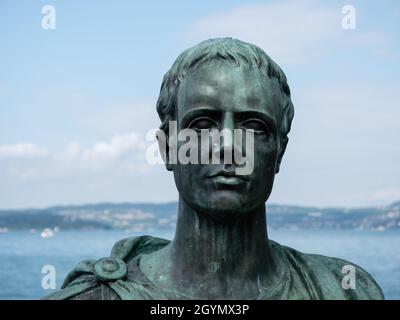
{"type": "Point", "coordinates": [301, 276]}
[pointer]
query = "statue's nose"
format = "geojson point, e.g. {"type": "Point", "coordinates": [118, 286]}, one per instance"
{"type": "Point", "coordinates": [226, 145]}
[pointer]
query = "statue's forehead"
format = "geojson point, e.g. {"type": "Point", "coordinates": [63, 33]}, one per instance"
{"type": "Point", "coordinates": [227, 87]}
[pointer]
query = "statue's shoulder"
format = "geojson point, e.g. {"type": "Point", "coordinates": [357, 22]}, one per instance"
{"type": "Point", "coordinates": [109, 278]}
{"type": "Point", "coordinates": [332, 278]}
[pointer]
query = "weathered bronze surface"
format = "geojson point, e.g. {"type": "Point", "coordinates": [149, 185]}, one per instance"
{"type": "Point", "coordinates": [221, 249]}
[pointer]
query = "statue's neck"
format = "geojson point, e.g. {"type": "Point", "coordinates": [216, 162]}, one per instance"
{"type": "Point", "coordinates": [206, 249]}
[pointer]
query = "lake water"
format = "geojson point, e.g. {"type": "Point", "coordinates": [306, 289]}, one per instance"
{"type": "Point", "coordinates": [23, 254]}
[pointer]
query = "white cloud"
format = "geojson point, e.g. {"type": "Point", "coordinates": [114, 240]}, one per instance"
{"type": "Point", "coordinates": [289, 31]}
{"type": "Point", "coordinates": [285, 29]}
{"type": "Point", "coordinates": [71, 151]}
{"type": "Point", "coordinates": [386, 195]}
{"type": "Point", "coordinates": [122, 154]}
{"type": "Point", "coordinates": [342, 147]}
{"type": "Point", "coordinates": [22, 150]}
{"type": "Point", "coordinates": [370, 99]}
{"type": "Point", "coordinates": [140, 115]}
{"type": "Point", "coordinates": [115, 170]}
{"type": "Point", "coordinates": [103, 153]}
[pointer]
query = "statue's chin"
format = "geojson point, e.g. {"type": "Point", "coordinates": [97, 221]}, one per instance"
{"type": "Point", "coordinates": [225, 206]}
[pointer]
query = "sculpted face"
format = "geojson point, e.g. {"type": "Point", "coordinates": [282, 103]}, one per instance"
{"type": "Point", "coordinates": [221, 96]}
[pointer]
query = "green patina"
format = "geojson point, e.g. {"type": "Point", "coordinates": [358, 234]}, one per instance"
{"type": "Point", "coordinates": [220, 249]}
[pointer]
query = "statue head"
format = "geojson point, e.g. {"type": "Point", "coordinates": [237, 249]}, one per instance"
{"type": "Point", "coordinates": [227, 84]}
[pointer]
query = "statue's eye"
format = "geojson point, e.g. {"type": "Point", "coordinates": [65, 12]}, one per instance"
{"type": "Point", "coordinates": [202, 123]}
{"type": "Point", "coordinates": [257, 125]}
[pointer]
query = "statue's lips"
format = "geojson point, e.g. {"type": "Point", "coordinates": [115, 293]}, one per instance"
{"type": "Point", "coordinates": [230, 181]}
{"type": "Point", "coordinates": [228, 178]}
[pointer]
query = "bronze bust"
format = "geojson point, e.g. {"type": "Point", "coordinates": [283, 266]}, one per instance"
{"type": "Point", "coordinates": [220, 249]}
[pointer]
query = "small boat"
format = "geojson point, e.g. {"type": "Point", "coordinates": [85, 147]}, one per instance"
{"type": "Point", "coordinates": [47, 233]}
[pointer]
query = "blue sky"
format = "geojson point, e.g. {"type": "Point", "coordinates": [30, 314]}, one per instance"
{"type": "Point", "coordinates": [77, 101]}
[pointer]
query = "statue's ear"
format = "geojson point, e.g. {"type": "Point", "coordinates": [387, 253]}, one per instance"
{"type": "Point", "coordinates": [162, 139]}
{"type": "Point", "coordinates": [282, 149]}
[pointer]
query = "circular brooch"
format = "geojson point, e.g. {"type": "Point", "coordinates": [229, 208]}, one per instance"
{"type": "Point", "coordinates": [110, 269]}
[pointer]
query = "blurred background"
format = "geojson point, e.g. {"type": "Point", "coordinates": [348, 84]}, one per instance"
{"type": "Point", "coordinates": [78, 87]}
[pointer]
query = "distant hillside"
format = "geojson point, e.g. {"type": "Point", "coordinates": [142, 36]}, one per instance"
{"type": "Point", "coordinates": [146, 217]}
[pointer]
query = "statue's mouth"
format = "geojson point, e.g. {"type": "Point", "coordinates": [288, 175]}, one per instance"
{"type": "Point", "coordinates": [228, 174]}
{"type": "Point", "coordinates": [229, 181]}
{"type": "Point", "coordinates": [228, 178]}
